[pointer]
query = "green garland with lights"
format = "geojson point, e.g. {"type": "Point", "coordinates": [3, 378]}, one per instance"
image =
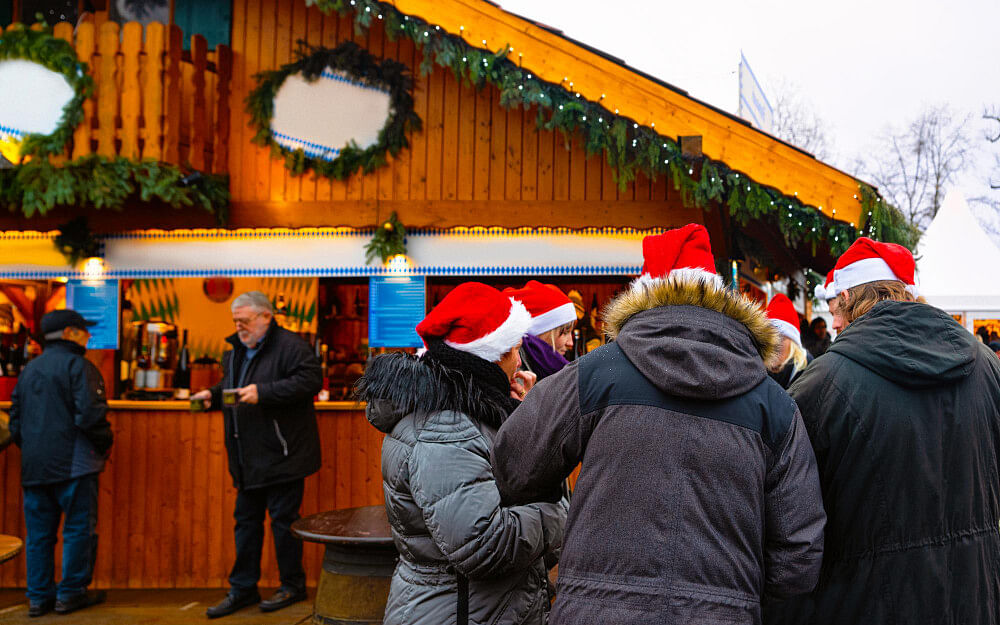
{"type": "Point", "coordinates": [628, 146]}
{"type": "Point", "coordinates": [388, 241]}
{"type": "Point", "coordinates": [41, 47]}
{"type": "Point", "coordinates": [38, 186]}
{"type": "Point", "coordinates": [360, 65]}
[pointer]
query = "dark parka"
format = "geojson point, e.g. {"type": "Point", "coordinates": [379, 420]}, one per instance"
{"type": "Point", "coordinates": [698, 491]}
{"type": "Point", "coordinates": [444, 507]}
{"type": "Point", "coordinates": [904, 414]}
{"type": "Point", "coordinates": [58, 416]}
{"type": "Point", "coordinates": [277, 439]}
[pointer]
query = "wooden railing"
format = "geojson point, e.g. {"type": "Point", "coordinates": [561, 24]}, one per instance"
{"type": "Point", "coordinates": [152, 99]}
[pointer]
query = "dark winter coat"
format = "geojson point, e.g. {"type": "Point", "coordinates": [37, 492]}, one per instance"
{"type": "Point", "coordinates": [904, 414]}
{"type": "Point", "coordinates": [277, 439]}
{"type": "Point", "coordinates": [698, 492]}
{"type": "Point", "coordinates": [444, 507]}
{"type": "Point", "coordinates": [58, 416]}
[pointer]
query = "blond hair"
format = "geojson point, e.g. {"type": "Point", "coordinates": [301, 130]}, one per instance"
{"type": "Point", "coordinates": [864, 297]}
{"type": "Point", "coordinates": [796, 354]}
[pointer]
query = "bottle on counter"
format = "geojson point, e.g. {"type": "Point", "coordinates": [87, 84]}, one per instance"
{"type": "Point", "coordinates": [182, 374]}
{"type": "Point", "coordinates": [281, 310]}
{"type": "Point", "coordinates": [141, 366]}
{"type": "Point", "coordinates": [324, 393]}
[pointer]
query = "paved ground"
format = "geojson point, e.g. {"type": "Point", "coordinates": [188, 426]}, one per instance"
{"type": "Point", "coordinates": [153, 607]}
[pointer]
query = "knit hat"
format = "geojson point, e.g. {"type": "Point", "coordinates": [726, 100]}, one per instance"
{"type": "Point", "coordinates": [549, 307]}
{"type": "Point", "coordinates": [477, 319]}
{"type": "Point", "coordinates": [684, 253]}
{"type": "Point", "coordinates": [869, 261]}
{"type": "Point", "coordinates": [827, 290]}
{"type": "Point", "coordinates": [783, 317]}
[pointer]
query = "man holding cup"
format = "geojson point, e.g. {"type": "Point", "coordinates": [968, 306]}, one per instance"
{"type": "Point", "coordinates": [266, 396]}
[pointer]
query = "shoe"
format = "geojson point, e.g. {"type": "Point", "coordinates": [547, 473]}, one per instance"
{"type": "Point", "coordinates": [282, 598]}
{"type": "Point", "coordinates": [80, 601]}
{"type": "Point", "coordinates": [234, 601]}
{"type": "Point", "coordinates": [41, 608]}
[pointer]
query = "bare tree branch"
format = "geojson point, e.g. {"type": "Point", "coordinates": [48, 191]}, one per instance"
{"type": "Point", "coordinates": [797, 123]}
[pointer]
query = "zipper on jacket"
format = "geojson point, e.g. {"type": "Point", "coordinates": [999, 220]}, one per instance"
{"type": "Point", "coordinates": [277, 430]}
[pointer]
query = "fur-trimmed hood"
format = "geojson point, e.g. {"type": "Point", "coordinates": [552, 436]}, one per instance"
{"type": "Point", "coordinates": [692, 338]}
{"type": "Point", "coordinates": [398, 384]}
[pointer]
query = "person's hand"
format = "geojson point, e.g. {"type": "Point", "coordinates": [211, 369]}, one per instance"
{"type": "Point", "coordinates": [248, 394]}
{"type": "Point", "coordinates": [205, 396]}
{"type": "Point", "coordinates": [522, 383]}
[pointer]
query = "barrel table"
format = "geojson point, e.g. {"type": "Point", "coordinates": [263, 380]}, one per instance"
{"type": "Point", "coordinates": [358, 563]}
{"type": "Point", "coordinates": [10, 546]}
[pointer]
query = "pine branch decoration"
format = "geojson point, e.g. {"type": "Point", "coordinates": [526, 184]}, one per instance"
{"type": "Point", "coordinates": [388, 241]}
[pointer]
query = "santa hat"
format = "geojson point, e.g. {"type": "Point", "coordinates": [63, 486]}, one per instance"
{"type": "Point", "coordinates": [684, 253]}
{"type": "Point", "coordinates": [869, 261]}
{"type": "Point", "coordinates": [549, 307]}
{"type": "Point", "coordinates": [783, 317]}
{"type": "Point", "coordinates": [477, 319]}
{"type": "Point", "coordinates": [827, 290]}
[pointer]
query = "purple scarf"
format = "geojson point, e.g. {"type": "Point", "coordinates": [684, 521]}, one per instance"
{"type": "Point", "coordinates": [542, 359]}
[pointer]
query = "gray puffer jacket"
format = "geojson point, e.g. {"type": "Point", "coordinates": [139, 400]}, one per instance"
{"type": "Point", "coordinates": [444, 506]}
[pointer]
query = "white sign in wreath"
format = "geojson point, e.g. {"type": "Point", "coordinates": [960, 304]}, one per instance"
{"type": "Point", "coordinates": [326, 115]}
{"type": "Point", "coordinates": [32, 99]}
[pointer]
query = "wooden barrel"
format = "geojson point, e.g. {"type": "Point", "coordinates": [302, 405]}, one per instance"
{"type": "Point", "coordinates": [357, 564]}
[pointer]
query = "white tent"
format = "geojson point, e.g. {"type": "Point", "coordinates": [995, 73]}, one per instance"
{"type": "Point", "coordinates": [959, 264]}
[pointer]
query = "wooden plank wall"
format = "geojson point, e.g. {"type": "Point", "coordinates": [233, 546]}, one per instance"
{"type": "Point", "coordinates": [475, 163]}
{"type": "Point", "coordinates": [147, 102]}
{"type": "Point", "coordinates": [165, 516]}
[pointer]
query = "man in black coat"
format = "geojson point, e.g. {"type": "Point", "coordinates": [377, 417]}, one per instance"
{"type": "Point", "coordinates": [273, 444]}
{"type": "Point", "coordinates": [903, 413]}
{"type": "Point", "coordinates": [58, 419]}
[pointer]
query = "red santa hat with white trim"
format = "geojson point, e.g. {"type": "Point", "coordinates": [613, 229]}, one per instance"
{"type": "Point", "coordinates": [783, 317]}
{"type": "Point", "coordinates": [548, 305]}
{"type": "Point", "coordinates": [477, 319]}
{"type": "Point", "coordinates": [870, 261]}
{"type": "Point", "coordinates": [683, 253]}
{"type": "Point", "coordinates": [827, 290]}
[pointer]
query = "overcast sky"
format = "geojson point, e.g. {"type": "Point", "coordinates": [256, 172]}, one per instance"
{"type": "Point", "coordinates": [860, 65]}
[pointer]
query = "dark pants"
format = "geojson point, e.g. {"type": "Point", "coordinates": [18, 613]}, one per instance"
{"type": "Point", "coordinates": [43, 508]}
{"type": "Point", "coordinates": [282, 502]}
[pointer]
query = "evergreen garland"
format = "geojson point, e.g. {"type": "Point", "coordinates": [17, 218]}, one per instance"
{"type": "Point", "coordinates": [59, 56]}
{"type": "Point", "coordinates": [360, 65]}
{"type": "Point", "coordinates": [95, 181]}
{"type": "Point", "coordinates": [388, 241]}
{"type": "Point", "coordinates": [628, 146]}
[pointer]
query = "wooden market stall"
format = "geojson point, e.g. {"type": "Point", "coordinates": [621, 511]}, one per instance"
{"type": "Point", "coordinates": [534, 157]}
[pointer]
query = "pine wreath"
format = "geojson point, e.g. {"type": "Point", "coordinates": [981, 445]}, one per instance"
{"type": "Point", "coordinates": [358, 63]}
{"type": "Point", "coordinates": [57, 55]}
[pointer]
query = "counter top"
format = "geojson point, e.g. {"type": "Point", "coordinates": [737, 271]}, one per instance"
{"type": "Point", "coordinates": [184, 405]}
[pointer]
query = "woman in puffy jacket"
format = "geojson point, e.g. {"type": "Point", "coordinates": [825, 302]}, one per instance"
{"type": "Point", "coordinates": [464, 557]}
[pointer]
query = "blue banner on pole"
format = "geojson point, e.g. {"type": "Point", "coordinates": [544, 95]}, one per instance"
{"type": "Point", "coordinates": [396, 304]}
{"type": "Point", "coordinates": [97, 300]}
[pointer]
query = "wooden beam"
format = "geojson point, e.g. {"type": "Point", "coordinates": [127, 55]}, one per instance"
{"type": "Point", "coordinates": [558, 60]}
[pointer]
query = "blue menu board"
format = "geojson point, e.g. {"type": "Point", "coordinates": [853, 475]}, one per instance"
{"type": "Point", "coordinates": [396, 304]}
{"type": "Point", "coordinates": [97, 300]}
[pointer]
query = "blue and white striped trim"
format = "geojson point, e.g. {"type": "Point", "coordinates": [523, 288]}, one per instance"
{"type": "Point", "coordinates": [338, 272]}
{"type": "Point", "coordinates": [313, 150]}
{"type": "Point", "coordinates": [335, 233]}
{"type": "Point", "coordinates": [356, 83]}
{"type": "Point", "coordinates": [9, 130]}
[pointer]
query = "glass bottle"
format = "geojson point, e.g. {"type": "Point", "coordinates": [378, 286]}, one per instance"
{"type": "Point", "coordinates": [182, 374]}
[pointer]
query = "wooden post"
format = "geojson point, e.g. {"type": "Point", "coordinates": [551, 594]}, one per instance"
{"type": "Point", "coordinates": [223, 76]}
{"type": "Point", "coordinates": [85, 51]}
{"type": "Point", "coordinates": [199, 112]}
{"type": "Point", "coordinates": [64, 31]}
{"type": "Point", "coordinates": [107, 89]}
{"type": "Point", "coordinates": [172, 96]}
{"type": "Point", "coordinates": [131, 95]}
{"type": "Point", "coordinates": [152, 112]}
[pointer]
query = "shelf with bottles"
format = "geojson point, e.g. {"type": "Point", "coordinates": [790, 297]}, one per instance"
{"type": "Point", "coordinates": [341, 341]}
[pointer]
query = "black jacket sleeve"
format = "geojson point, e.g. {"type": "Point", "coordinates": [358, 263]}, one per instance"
{"type": "Point", "coordinates": [794, 518]}
{"type": "Point", "coordinates": [300, 375]}
{"type": "Point", "coordinates": [90, 404]}
{"type": "Point", "coordinates": [542, 441]}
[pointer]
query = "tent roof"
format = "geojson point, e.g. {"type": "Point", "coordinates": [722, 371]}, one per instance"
{"type": "Point", "coordinates": [958, 261]}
